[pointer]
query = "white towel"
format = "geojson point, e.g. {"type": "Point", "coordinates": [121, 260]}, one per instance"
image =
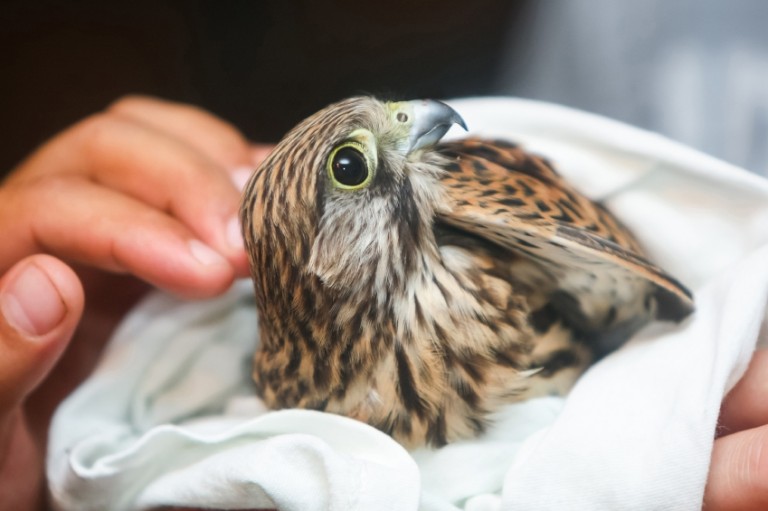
{"type": "Point", "coordinates": [169, 417]}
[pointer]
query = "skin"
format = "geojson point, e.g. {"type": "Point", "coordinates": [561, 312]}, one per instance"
{"type": "Point", "coordinates": [156, 184]}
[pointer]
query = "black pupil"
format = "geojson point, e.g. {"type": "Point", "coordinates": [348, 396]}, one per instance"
{"type": "Point", "coordinates": [349, 167]}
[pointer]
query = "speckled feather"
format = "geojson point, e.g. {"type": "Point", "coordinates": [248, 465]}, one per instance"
{"type": "Point", "coordinates": [463, 277]}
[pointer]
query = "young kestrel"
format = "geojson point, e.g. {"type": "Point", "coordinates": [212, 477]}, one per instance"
{"type": "Point", "coordinates": [419, 286]}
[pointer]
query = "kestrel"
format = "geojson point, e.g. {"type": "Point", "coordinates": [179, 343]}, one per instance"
{"type": "Point", "coordinates": [418, 286]}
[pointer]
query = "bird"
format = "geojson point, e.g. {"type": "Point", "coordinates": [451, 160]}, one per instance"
{"type": "Point", "coordinates": [419, 285]}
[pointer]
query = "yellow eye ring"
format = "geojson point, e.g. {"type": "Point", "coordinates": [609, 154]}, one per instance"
{"type": "Point", "coordinates": [349, 167]}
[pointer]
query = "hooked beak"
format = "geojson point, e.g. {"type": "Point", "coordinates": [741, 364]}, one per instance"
{"type": "Point", "coordinates": [429, 120]}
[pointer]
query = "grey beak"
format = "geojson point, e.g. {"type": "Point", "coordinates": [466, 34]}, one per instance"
{"type": "Point", "coordinates": [431, 120]}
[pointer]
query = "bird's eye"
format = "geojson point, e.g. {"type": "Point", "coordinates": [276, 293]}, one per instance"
{"type": "Point", "coordinates": [349, 167]}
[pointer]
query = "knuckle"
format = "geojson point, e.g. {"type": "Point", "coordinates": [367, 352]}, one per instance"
{"type": "Point", "coordinates": [96, 134]}
{"type": "Point", "coordinates": [128, 104]}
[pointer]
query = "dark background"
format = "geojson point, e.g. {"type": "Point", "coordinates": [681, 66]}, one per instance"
{"type": "Point", "coordinates": [262, 65]}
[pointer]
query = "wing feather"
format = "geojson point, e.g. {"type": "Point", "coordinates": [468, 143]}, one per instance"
{"type": "Point", "coordinates": [498, 191]}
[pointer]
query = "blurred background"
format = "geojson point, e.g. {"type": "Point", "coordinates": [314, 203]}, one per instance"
{"type": "Point", "coordinates": [695, 70]}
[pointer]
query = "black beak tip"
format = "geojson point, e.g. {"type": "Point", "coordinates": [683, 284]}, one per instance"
{"type": "Point", "coordinates": [460, 121]}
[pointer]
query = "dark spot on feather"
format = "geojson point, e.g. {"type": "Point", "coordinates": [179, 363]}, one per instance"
{"type": "Point", "coordinates": [563, 217]}
{"type": "Point", "coordinates": [572, 197]}
{"type": "Point", "coordinates": [466, 393]}
{"type": "Point", "coordinates": [505, 144]}
{"type": "Point", "coordinates": [482, 151]}
{"type": "Point", "coordinates": [436, 431]}
{"type": "Point", "coordinates": [322, 373]}
{"type": "Point", "coordinates": [406, 386]}
{"type": "Point", "coordinates": [542, 319]}
{"type": "Point", "coordinates": [295, 361]}
{"type": "Point", "coordinates": [441, 337]}
{"type": "Point", "coordinates": [543, 206]}
{"type": "Point", "coordinates": [285, 395]}
{"type": "Point", "coordinates": [477, 424]}
{"type": "Point", "coordinates": [419, 313]}
{"type": "Point", "coordinates": [528, 166]}
{"type": "Point", "coordinates": [529, 216]}
{"type": "Point", "coordinates": [648, 302]}
{"type": "Point", "coordinates": [524, 243]}
{"type": "Point", "coordinates": [319, 405]}
{"type": "Point", "coordinates": [510, 189]}
{"type": "Point", "coordinates": [504, 358]}
{"type": "Point", "coordinates": [592, 227]}
{"type": "Point", "coordinates": [527, 190]}
{"type": "Point", "coordinates": [301, 387]}
{"type": "Point", "coordinates": [488, 192]}
{"type": "Point", "coordinates": [408, 225]}
{"type": "Point", "coordinates": [443, 291]}
{"type": "Point", "coordinates": [452, 166]}
{"type": "Point", "coordinates": [447, 150]}
{"type": "Point", "coordinates": [479, 166]}
{"type": "Point", "coordinates": [556, 361]}
{"type": "Point", "coordinates": [347, 366]}
{"type": "Point", "coordinates": [570, 310]}
{"type": "Point", "coordinates": [306, 336]}
{"type": "Point", "coordinates": [569, 206]}
{"type": "Point", "coordinates": [473, 366]}
{"type": "Point", "coordinates": [512, 201]}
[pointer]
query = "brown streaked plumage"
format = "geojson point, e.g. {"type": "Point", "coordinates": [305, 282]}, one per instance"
{"type": "Point", "coordinates": [439, 282]}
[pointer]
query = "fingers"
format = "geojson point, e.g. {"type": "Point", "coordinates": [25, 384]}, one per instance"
{"type": "Point", "coordinates": [155, 169]}
{"type": "Point", "coordinates": [85, 222]}
{"type": "Point", "coordinates": [41, 301]}
{"type": "Point", "coordinates": [738, 478]}
{"type": "Point", "coordinates": [174, 159]}
{"type": "Point", "coordinates": [746, 406]}
{"type": "Point", "coordinates": [221, 142]}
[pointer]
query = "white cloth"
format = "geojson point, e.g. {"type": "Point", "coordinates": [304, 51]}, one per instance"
{"type": "Point", "coordinates": [169, 417]}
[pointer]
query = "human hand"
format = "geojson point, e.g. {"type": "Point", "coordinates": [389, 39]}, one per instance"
{"type": "Point", "coordinates": [147, 189]}
{"type": "Point", "coordinates": [144, 188]}
{"type": "Point", "coordinates": [738, 476]}
{"type": "Point", "coordinates": [41, 301]}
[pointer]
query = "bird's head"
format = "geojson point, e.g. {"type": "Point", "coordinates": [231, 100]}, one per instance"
{"type": "Point", "coordinates": [350, 193]}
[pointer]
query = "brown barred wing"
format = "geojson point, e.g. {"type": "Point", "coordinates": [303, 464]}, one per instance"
{"type": "Point", "coordinates": [499, 192]}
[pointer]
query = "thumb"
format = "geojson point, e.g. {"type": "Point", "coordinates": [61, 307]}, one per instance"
{"type": "Point", "coordinates": [738, 475]}
{"type": "Point", "coordinates": [41, 301]}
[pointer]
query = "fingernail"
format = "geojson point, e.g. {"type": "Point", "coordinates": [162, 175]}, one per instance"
{"type": "Point", "coordinates": [205, 254]}
{"type": "Point", "coordinates": [240, 177]}
{"type": "Point", "coordinates": [31, 303]}
{"type": "Point", "coordinates": [234, 233]}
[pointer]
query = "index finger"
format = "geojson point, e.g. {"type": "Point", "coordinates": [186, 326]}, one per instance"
{"type": "Point", "coordinates": [217, 139]}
